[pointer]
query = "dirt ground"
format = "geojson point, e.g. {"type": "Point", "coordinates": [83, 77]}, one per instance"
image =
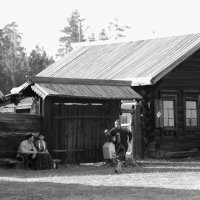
{"type": "Point", "coordinates": [154, 180]}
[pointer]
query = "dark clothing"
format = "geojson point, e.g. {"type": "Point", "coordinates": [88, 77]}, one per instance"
{"type": "Point", "coordinates": [29, 162]}
{"type": "Point", "coordinates": [121, 138]}
{"type": "Point", "coordinates": [43, 158]}
{"type": "Point", "coordinates": [44, 161]}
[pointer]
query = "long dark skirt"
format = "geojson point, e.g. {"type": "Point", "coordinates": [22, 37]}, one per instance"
{"type": "Point", "coordinates": [121, 151]}
{"type": "Point", "coordinates": [44, 161]}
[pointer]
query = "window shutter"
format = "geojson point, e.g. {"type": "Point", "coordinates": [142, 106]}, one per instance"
{"type": "Point", "coordinates": [158, 108]}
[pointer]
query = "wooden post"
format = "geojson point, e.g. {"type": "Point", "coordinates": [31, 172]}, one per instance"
{"type": "Point", "coordinates": [47, 123]}
{"type": "Point", "coordinates": [137, 132]}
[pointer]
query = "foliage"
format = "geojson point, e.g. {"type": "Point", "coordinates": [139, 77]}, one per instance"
{"type": "Point", "coordinates": [103, 35]}
{"type": "Point", "coordinates": [92, 37]}
{"type": "Point", "coordinates": [14, 62]}
{"type": "Point", "coordinates": [117, 31]}
{"type": "Point", "coordinates": [38, 61]}
{"type": "Point", "coordinates": [12, 57]}
{"type": "Point", "coordinates": [72, 32]}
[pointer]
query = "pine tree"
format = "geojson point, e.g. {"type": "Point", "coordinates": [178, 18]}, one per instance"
{"type": "Point", "coordinates": [73, 32]}
{"type": "Point", "coordinates": [117, 31]}
{"type": "Point", "coordinates": [103, 35]}
{"type": "Point", "coordinates": [92, 37]}
{"type": "Point", "coordinates": [38, 61]}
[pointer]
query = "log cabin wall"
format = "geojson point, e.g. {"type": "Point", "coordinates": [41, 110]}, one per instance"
{"type": "Point", "coordinates": [74, 128]}
{"type": "Point", "coordinates": [13, 129]}
{"type": "Point", "coordinates": [181, 85]}
{"type": "Point", "coordinates": [147, 115]}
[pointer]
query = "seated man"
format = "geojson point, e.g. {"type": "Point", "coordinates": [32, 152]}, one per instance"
{"type": "Point", "coordinates": [28, 151]}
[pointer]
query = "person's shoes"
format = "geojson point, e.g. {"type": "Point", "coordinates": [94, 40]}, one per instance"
{"type": "Point", "coordinates": [54, 165]}
{"type": "Point", "coordinates": [27, 169]}
{"type": "Point", "coordinates": [116, 171]}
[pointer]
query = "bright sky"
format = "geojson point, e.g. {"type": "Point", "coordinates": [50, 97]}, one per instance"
{"type": "Point", "coordinates": [40, 21]}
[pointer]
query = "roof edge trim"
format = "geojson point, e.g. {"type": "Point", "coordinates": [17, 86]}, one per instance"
{"type": "Point", "coordinates": [40, 79]}
{"type": "Point", "coordinates": [175, 64]}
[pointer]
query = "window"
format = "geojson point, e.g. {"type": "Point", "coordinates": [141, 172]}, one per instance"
{"type": "Point", "coordinates": [26, 110]}
{"type": "Point", "coordinates": [126, 119]}
{"type": "Point", "coordinates": [191, 113]}
{"type": "Point", "coordinates": [168, 113]}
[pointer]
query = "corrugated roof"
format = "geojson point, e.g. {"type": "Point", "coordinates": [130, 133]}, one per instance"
{"type": "Point", "coordinates": [142, 62]}
{"type": "Point", "coordinates": [82, 88]}
{"type": "Point", "coordinates": [23, 104]}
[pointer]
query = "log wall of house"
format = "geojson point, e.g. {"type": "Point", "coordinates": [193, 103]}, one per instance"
{"type": "Point", "coordinates": [13, 129]}
{"type": "Point", "coordinates": [183, 80]}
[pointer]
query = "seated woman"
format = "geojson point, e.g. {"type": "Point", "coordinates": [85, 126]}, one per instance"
{"type": "Point", "coordinates": [43, 158]}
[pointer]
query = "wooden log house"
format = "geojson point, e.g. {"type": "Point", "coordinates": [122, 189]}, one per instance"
{"type": "Point", "coordinates": [164, 71]}
{"type": "Point", "coordinates": [75, 113]}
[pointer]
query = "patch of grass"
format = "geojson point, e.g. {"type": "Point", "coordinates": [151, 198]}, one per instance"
{"type": "Point", "coordinates": [152, 181]}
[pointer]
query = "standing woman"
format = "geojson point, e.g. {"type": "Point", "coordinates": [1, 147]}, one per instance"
{"type": "Point", "coordinates": [43, 158]}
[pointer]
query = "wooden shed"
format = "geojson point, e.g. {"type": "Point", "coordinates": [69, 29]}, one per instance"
{"type": "Point", "coordinates": [24, 105]}
{"type": "Point", "coordinates": [165, 71]}
{"type": "Point", "coordinates": [75, 113]}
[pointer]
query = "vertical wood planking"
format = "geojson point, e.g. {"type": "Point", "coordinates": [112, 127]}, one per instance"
{"type": "Point", "coordinates": [82, 127]}
{"type": "Point", "coordinates": [137, 133]}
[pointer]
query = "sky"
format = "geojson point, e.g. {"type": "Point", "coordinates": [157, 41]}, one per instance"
{"type": "Point", "coordinates": [41, 21]}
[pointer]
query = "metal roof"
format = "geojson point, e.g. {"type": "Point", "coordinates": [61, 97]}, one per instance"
{"type": "Point", "coordinates": [143, 62]}
{"type": "Point", "coordinates": [23, 104]}
{"type": "Point", "coordinates": [82, 88]}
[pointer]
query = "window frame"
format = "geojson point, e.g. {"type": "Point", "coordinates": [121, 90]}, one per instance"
{"type": "Point", "coordinates": [168, 117]}
{"type": "Point", "coordinates": [191, 118]}
{"type": "Point", "coordinates": [167, 96]}
{"type": "Point", "coordinates": [191, 97]}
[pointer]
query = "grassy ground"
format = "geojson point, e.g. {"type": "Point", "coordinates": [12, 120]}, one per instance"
{"type": "Point", "coordinates": [153, 181]}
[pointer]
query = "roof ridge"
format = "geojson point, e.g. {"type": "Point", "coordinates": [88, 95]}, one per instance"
{"type": "Point", "coordinates": [126, 40]}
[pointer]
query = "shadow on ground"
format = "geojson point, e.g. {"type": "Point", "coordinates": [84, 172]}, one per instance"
{"type": "Point", "coordinates": [51, 191]}
{"type": "Point", "coordinates": [94, 169]}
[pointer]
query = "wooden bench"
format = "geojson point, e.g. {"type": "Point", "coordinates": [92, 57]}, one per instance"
{"type": "Point", "coordinates": [61, 151]}
{"type": "Point", "coordinates": [57, 161]}
{"type": "Point", "coordinates": [11, 162]}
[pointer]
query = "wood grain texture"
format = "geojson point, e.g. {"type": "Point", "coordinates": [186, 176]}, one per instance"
{"type": "Point", "coordinates": [20, 122]}
{"type": "Point", "coordinates": [80, 137]}
{"type": "Point", "coordinates": [13, 129]}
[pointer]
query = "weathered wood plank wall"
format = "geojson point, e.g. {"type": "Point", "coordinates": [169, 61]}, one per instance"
{"type": "Point", "coordinates": [78, 130]}
{"type": "Point", "coordinates": [137, 133]}
{"type": "Point", "coordinates": [186, 76]}
{"type": "Point", "coordinates": [13, 129]}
